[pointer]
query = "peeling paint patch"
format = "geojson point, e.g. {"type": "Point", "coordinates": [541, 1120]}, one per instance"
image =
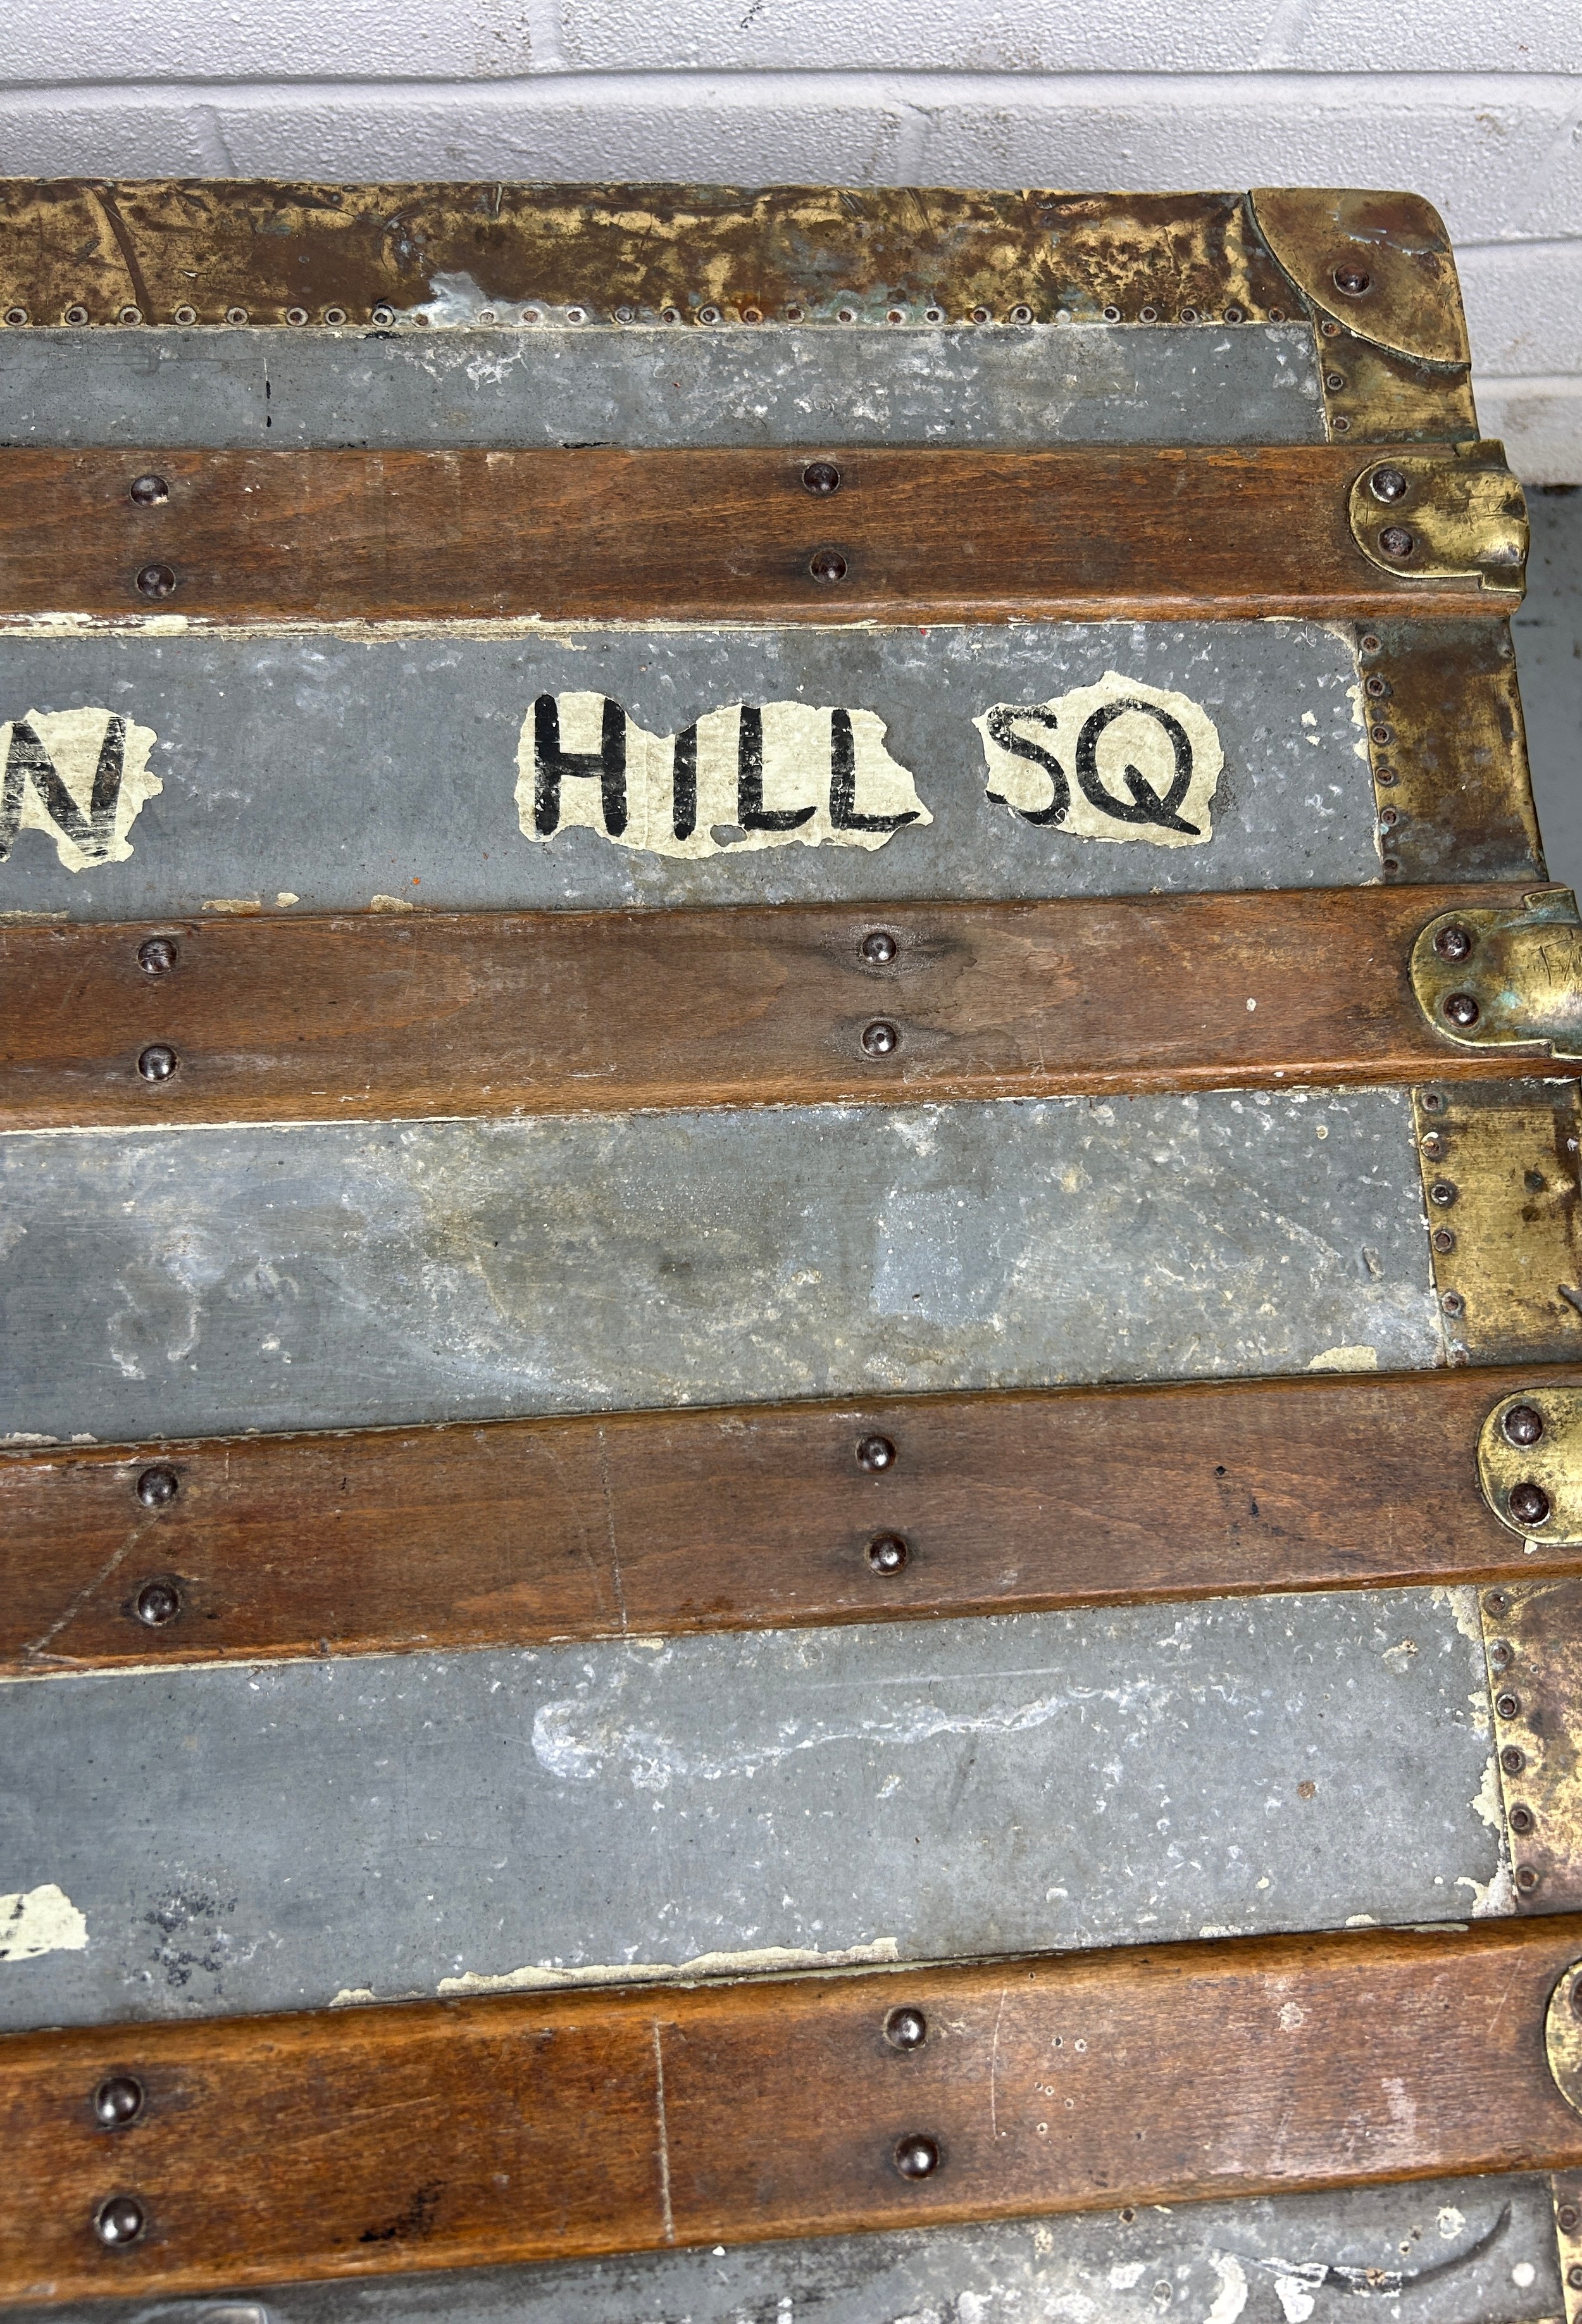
{"type": "Point", "coordinates": [535, 1978]}
{"type": "Point", "coordinates": [391, 904]}
{"type": "Point", "coordinates": [1358, 1358]}
{"type": "Point", "coordinates": [233, 904]}
{"type": "Point", "coordinates": [744, 777]}
{"type": "Point", "coordinates": [36, 1921]}
{"type": "Point", "coordinates": [350, 1996]}
{"type": "Point", "coordinates": [81, 777]}
{"type": "Point", "coordinates": [1231, 2297]}
{"type": "Point", "coordinates": [1117, 760]}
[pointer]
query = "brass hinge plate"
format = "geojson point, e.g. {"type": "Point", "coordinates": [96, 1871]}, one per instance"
{"type": "Point", "coordinates": [1529, 1464]}
{"type": "Point", "coordinates": [1444, 516]}
{"type": "Point", "coordinates": [1505, 976]}
{"type": "Point", "coordinates": [1499, 1168]}
{"type": "Point", "coordinates": [1532, 1644]}
{"type": "Point", "coordinates": [1377, 264]}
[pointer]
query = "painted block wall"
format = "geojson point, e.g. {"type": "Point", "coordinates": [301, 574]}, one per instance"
{"type": "Point", "coordinates": [1475, 103]}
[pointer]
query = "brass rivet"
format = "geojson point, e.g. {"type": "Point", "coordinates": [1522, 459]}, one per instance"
{"type": "Point", "coordinates": [827, 565]}
{"type": "Point", "coordinates": [1497, 1601]}
{"type": "Point", "coordinates": [1453, 943]}
{"type": "Point", "coordinates": [1432, 1102]}
{"type": "Point", "coordinates": [1522, 1820]}
{"type": "Point", "coordinates": [155, 581]}
{"type": "Point", "coordinates": [1442, 1193]}
{"type": "Point", "coordinates": [1453, 1303]}
{"type": "Point", "coordinates": [1523, 1424]}
{"type": "Point", "coordinates": [1501, 1654]}
{"type": "Point", "coordinates": [148, 491]}
{"type": "Point", "coordinates": [158, 1488]}
{"type": "Point", "coordinates": [876, 1452]}
{"type": "Point", "coordinates": [1340, 424]}
{"type": "Point", "coordinates": [156, 956]}
{"type": "Point", "coordinates": [916, 2158]}
{"type": "Point", "coordinates": [157, 1063]}
{"type": "Point", "coordinates": [1025, 314]}
{"type": "Point", "coordinates": [119, 2221]}
{"type": "Point", "coordinates": [1461, 1008]}
{"type": "Point", "coordinates": [1527, 1881]}
{"type": "Point", "coordinates": [1512, 1760]}
{"type": "Point", "coordinates": [886, 1552]}
{"type": "Point", "coordinates": [1374, 686]}
{"type": "Point", "coordinates": [1381, 735]}
{"type": "Point", "coordinates": [881, 1039]}
{"type": "Point", "coordinates": [821, 476]}
{"type": "Point", "coordinates": [239, 315]}
{"type": "Point", "coordinates": [1508, 1704]}
{"type": "Point", "coordinates": [906, 2029]}
{"type": "Point", "coordinates": [879, 947]}
{"type": "Point", "coordinates": [1397, 542]}
{"type": "Point", "coordinates": [1435, 1146]}
{"type": "Point", "coordinates": [1112, 314]}
{"type": "Point", "coordinates": [335, 316]}
{"type": "Point", "coordinates": [1145, 315]}
{"type": "Point", "coordinates": [297, 315]}
{"type": "Point", "coordinates": [1529, 1504]}
{"type": "Point", "coordinates": [1444, 1240]}
{"type": "Point", "coordinates": [1388, 484]}
{"type": "Point", "coordinates": [158, 1602]}
{"type": "Point", "coordinates": [1567, 2219]}
{"type": "Point", "coordinates": [1235, 315]}
{"type": "Point", "coordinates": [130, 315]}
{"type": "Point", "coordinates": [1574, 2275]}
{"type": "Point", "coordinates": [118, 2101]}
{"type": "Point", "coordinates": [1334, 380]}
{"type": "Point", "coordinates": [1352, 279]}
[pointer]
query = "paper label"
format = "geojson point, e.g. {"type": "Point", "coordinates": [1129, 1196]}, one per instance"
{"type": "Point", "coordinates": [81, 777]}
{"type": "Point", "coordinates": [1117, 760]}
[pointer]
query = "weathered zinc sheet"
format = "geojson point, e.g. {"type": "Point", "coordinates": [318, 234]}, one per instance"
{"type": "Point", "coordinates": [223, 1841]}
{"type": "Point", "coordinates": [1000, 387]}
{"type": "Point", "coordinates": [329, 769]}
{"type": "Point", "coordinates": [1443, 2252]}
{"type": "Point", "coordinates": [208, 1282]}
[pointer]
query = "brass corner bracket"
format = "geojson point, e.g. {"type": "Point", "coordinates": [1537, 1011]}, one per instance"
{"type": "Point", "coordinates": [1530, 1465]}
{"type": "Point", "coordinates": [1504, 976]}
{"type": "Point", "coordinates": [1378, 264]}
{"type": "Point", "coordinates": [1439, 516]}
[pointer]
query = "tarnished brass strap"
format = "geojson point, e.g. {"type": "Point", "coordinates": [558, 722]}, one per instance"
{"type": "Point", "coordinates": [1436, 516]}
{"type": "Point", "coordinates": [1501, 976]}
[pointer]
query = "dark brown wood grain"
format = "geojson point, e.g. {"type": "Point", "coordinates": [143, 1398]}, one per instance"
{"type": "Point", "coordinates": [1085, 534]}
{"type": "Point", "coordinates": [391, 1014]}
{"type": "Point", "coordinates": [523, 1531]}
{"type": "Point", "coordinates": [361, 2142]}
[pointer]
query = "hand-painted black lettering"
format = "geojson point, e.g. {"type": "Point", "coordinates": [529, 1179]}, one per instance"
{"type": "Point", "coordinates": [552, 765]}
{"type": "Point", "coordinates": [751, 813]}
{"type": "Point", "coordinates": [1021, 746]}
{"type": "Point", "coordinates": [684, 784]}
{"type": "Point", "coordinates": [28, 761]}
{"type": "Point", "coordinates": [1145, 805]}
{"type": "Point", "coordinates": [843, 814]}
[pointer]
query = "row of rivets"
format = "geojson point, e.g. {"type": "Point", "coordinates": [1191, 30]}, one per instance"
{"type": "Point", "coordinates": [1502, 1654]}
{"type": "Point", "coordinates": [383, 317]}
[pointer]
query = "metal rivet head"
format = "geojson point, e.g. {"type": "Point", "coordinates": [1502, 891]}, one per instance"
{"type": "Point", "coordinates": [1352, 279]}
{"type": "Point", "coordinates": [879, 947]}
{"type": "Point", "coordinates": [629, 314]}
{"type": "Point", "coordinates": [297, 315]}
{"type": "Point", "coordinates": [148, 491]}
{"type": "Point", "coordinates": [1453, 1303]}
{"type": "Point", "coordinates": [1522, 1820]}
{"type": "Point", "coordinates": [157, 1063]}
{"type": "Point", "coordinates": [1523, 1424]}
{"type": "Point", "coordinates": [1025, 314]}
{"type": "Point", "coordinates": [387, 315]}
{"type": "Point", "coordinates": [823, 478]}
{"type": "Point", "coordinates": [1574, 2277]}
{"type": "Point", "coordinates": [881, 1039]}
{"type": "Point", "coordinates": [239, 315]}
{"type": "Point", "coordinates": [1381, 735]}
{"type": "Point", "coordinates": [1374, 686]}
{"type": "Point", "coordinates": [1112, 314]}
{"type": "Point", "coordinates": [1334, 380]}
{"type": "Point", "coordinates": [335, 316]}
{"type": "Point", "coordinates": [1512, 1760]}
{"type": "Point", "coordinates": [118, 2101]}
{"type": "Point", "coordinates": [827, 565]}
{"type": "Point", "coordinates": [1397, 542]}
{"type": "Point", "coordinates": [1443, 1240]}
{"type": "Point", "coordinates": [886, 1552]}
{"type": "Point", "coordinates": [158, 1602]}
{"type": "Point", "coordinates": [1435, 1146]}
{"type": "Point", "coordinates": [1529, 1505]}
{"type": "Point", "coordinates": [1453, 943]}
{"type": "Point", "coordinates": [1432, 1102]}
{"type": "Point", "coordinates": [1569, 2218]}
{"type": "Point", "coordinates": [1508, 1704]}
{"type": "Point", "coordinates": [876, 1452]}
{"type": "Point", "coordinates": [1497, 1601]}
{"type": "Point", "coordinates": [156, 956]}
{"type": "Point", "coordinates": [155, 581]}
{"type": "Point", "coordinates": [1388, 484]}
{"type": "Point", "coordinates": [906, 2029]}
{"type": "Point", "coordinates": [75, 315]}
{"type": "Point", "coordinates": [1235, 315]}
{"type": "Point", "coordinates": [916, 2157]}
{"type": "Point", "coordinates": [130, 315]}
{"type": "Point", "coordinates": [158, 1488]}
{"type": "Point", "coordinates": [1501, 1654]}
{"type": "Point", "coordinates": [185, 317]}
{"type": "Point", "coordinates": [1527, 1881]}
{"type": "Point", "coordinates": [1461, 1008]}
{"type": "Point", "coordinates": [1442, 1193]}
{"type": "Point", "coordinates": [1388, 820]}
{"type": "Point", "coordinates": [1534, 1181]}
{"type": "Point", "coordinates": [119, 2221]}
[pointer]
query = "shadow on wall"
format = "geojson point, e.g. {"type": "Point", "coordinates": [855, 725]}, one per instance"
{"type": "Point", "coordinates": [1549, 657]}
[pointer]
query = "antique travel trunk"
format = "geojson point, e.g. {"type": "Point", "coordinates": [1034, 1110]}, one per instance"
{"type": "Point", "coordinates": [791, 1509]}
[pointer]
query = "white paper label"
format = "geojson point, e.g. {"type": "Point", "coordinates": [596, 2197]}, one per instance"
{"type": "Point", "coordinates": [81, 777]}
{"type": "Point", "coordinates": [749, 775]}
{"type": "Point", "coordinates": [1117, 760]}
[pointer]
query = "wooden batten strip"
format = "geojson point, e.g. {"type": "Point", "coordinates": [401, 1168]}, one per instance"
{"type": "Point", "coordinates": [525, 1531]}
{"type": "Point", "coordinates": [596, 534]}
{"type": "Point", "coordinates": [367, 2141]}
{"type": "Point", "coordinates": [385, 1015]}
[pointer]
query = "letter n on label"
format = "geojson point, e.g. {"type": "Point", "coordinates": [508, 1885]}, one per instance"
{"type": "Point", "coordinates": [28, 761]}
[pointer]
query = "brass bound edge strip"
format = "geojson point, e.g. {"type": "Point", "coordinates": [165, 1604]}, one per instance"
{"type": "Point", "coordinates": [1532, 1647]}
{"type": "Point", "coordinates": [1565, 2187]}
{"type": "Point", "coordinates": [1499, 1166]}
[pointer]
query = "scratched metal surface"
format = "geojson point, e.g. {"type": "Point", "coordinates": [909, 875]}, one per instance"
{"type": "Point", "coordinates": [212, 1281]}
{"type": "Point", "coordinates": [263, 1838]}
{"type": "Point", "coordinates": [996, 385]}
{"type": "Point", "coordinates": [1447, 2251]}
{"type": "Point", "coordinates": [338, 770]}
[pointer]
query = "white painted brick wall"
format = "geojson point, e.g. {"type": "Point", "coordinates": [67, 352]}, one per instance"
{"type": "Point", "coordinates": [1479, 106]}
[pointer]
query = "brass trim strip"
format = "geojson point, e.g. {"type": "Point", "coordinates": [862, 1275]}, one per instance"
{"type": "Point", "coordinates": [1499, 1166]}
{"type": "Point", "coordinates": [1532, 1647]}
{"type": "Point", "coordinates": [1566, 2186]}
